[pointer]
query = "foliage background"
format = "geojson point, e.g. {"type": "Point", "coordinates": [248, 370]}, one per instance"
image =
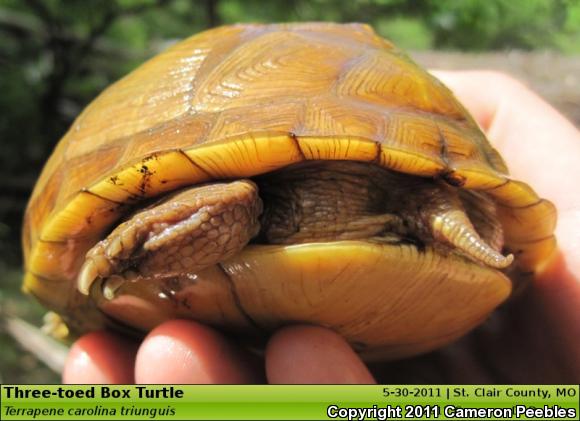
{"type": "Point", "coordinates": [57, 55]}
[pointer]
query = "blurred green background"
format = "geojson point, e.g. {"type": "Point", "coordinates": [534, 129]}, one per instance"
{"type": "Point", "coordinates": [57, 55]}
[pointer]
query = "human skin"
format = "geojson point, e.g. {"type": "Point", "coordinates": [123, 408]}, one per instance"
{"type": "Point", "coordinates": [534, 338]}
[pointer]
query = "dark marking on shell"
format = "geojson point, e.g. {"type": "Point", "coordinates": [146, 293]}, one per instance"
{"type": "Point", "coordinates": [150, 157]}
{"type": "Point", "coordinates": [377, 158]}
{"type": "Point", "coordinates": [444, 150]}
{"type": "Point", "coordinates": [193, 163]}
{"type": "Point", "coordinates": [297, 144]}
{"type": "Point", "coordinates": [87, 191]}
{"type": "Point", "coordinates": [236, 298]}
{"type": "Point", "coordinates": [530, 205]}
{"type": "Point", "coordinates": [498, 186]}
{"type": "Point", "coordinates": [146, 178]}
{"type": "Point", "coordinates": [452, 178]}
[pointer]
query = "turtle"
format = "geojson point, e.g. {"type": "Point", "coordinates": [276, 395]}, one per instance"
{"type": "Point", "coordinates": [258, 175]}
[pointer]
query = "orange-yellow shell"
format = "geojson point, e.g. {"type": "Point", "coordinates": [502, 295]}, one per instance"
{"type": "Point", "coordinates": [242, 100]}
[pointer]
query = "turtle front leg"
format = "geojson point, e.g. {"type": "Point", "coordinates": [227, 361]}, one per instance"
{"type": "Point", "coordinates": [183, 233]}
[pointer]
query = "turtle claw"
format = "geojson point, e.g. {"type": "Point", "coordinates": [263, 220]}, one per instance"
{"type": "Point", "coordinates": [87, 275]}
{"type": "Point", "coordinates": [97, 265]}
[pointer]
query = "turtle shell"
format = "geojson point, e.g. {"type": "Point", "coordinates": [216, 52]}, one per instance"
{"type": "Point", "coordinates": [243, 100]}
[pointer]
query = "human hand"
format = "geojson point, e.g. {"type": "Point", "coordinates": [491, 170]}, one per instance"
{"type": "Point", "coordinates": [533, 339]}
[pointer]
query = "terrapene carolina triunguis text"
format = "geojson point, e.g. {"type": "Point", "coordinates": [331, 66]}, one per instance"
{"type": "Point", "coordinates": [254, 176]}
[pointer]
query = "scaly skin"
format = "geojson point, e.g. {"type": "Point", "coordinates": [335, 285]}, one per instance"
{"type": "Point", "coordinates": [320, 201]}
{"type": "Point", "coordinates": [333, 201]}
{"type": "Point", "coordinates": [185, 232]}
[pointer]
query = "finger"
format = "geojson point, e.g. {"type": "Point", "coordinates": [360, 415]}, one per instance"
{"type": "Point", "coordinates": [538, 143]}
{"type": "Point", "coordinates": [182, 351]}
{"type": "Point", "coordinates": [552, 311]}
{"type": "Point", "coordinates": [100, 358]}
{"type": "Point", "coordinates": [313, 355]}
{"type": "Point", "coordinates": [542, 148]}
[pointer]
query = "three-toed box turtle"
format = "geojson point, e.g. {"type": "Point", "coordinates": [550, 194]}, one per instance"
{"type": "Point", "coordinates": [254, 176]}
